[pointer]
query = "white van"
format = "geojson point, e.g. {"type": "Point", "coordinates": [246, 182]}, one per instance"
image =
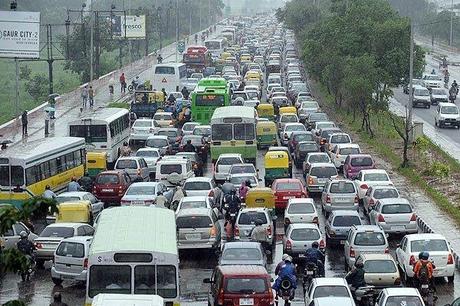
{"type": "Point", "coordinates": [177, 164]}
{"type": "Point", "coordinates": [447, 114]}
{"type": "Point", "coordinates": [106, 299]}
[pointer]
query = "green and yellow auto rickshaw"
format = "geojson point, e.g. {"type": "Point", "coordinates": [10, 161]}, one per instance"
{"type": "Point", "coordinates": [266, 110]}
{"type": "Point", "coordinates": [276, 166]}
{"type": "Point", "coordinates": [96, 162]}
{"type": "Point", "coordinates": [266, 134]}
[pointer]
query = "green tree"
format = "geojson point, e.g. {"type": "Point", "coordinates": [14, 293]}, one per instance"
{"type": "Point", "coordinates": [37, 86]}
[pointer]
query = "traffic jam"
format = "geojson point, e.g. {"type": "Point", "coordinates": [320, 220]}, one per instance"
{"type": "Point", "coordinates": [230, 186]}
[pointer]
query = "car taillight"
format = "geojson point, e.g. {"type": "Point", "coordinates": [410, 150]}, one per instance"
{"type": "Point", "coordinates": [450, 259]}
{"type": "Point", "coordinates": [352, 252]}
{"type": "Point", "coordinates": [328, 199]}
{"type": "Point", "coordinates": [288, 245]}
{"type": "Point", "coordinates": [213, 231]}
{"type": "Point", "coordinates": [387, 250]}
{"type": "Point", "coordinates": [322, 244]}
{"type": "Point", "coordinates": [315, 220]}
{"type": "Point", "coordinates": [94, 189]}
{"type": "Point", "coordinates": [38, 245]}
{"type": "Point", "coordinates": [138, 171]}
{"type": "Point", "coordinates": [85, 264]}
{"type": "Point", "coordinates": [269, 230]}
{"type": "Point", "coordinates": [211, 194]}
{"type": "Point", "coordinates": [364, 186]}
{"type": "Point", "coordinates": [381, 218]}
{"type": "Point", "coordinates": [120, 191]}
{"type": "Point", "coordinates": [397, 281]}
{"type": "Point", "coordinates": [412, 260]}
{"type": "Point", "coordinates": [287, 221]}
{"type": "Point", "coordinates": [220, 297]}
{"type": "Point", "coordinates": [310, 180]}
{"type": "Point", "coordinates": [237, 231]}
{"type": "Point", "coordinates": [413, 218]}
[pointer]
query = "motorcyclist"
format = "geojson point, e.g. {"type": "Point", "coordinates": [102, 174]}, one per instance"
{"type": "Point", "coordinates": [25, 246]}
{"type": "Point", "coordinates": [234, 204]}
{"type": "Point", "coordinates": [189, 147]}
{"type": "Point", "coordinates": [315, 256]}
{"type": "Point", "coordinates": [455, 85]}
{"type": "Point", "coordinates": [185, 92]}
{"type": "Point", "coordinates": [423, 270]}
{"type": "Point", "coordinates": [86, 182]}
{"type": "Point", "coordinates": [281, 263]}
{"type": "Point", "coordinates": [125, 150]}
{"type": "Point", "coordinates": [244, 188]}
{"type": "Point", "coordinates": [453, 93]}
{"type": "Point", "coordinates": [287, 271]}
{"type": "Point", "coordinates": [433, 71]}
{"type": "Point", "coordinates": [355, 277]}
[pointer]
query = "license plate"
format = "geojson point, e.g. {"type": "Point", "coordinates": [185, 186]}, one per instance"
{"type": "Point", "coordinates": [309, 272]}
{"type": "Point", "coordinates": [425, 286]}
{"type": "Point", "coordinates": [447, 123]}
{"type": "Point", "coordinates": [193, 236]}
{"type": "Point", "coordinates": [398, 228]}
{"type": "Point", "coordinates": [341, 200]}
{"type": "Point", "coordinates": [289, 197]}
{"type": "Point", "coordinates": [302, 255]}
{"type": "Point", "coordinates": [107, 190]}
{"type": "Point", "coordinates": [137, 202]}
{"type": "Point", "coordinates": [246, 301]}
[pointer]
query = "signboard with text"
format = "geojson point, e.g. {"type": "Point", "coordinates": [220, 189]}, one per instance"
{"type": "Point", "coordinates": [19, 34]}
{"type": "Point", "coordinates": [130, 27]}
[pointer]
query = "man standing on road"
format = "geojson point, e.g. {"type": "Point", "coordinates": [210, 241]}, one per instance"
{"type": "Point", "coordinates": [24, 122]}
{"type": "Point", "coordinates": [84, 95]}
{"type": "Point", "coordinates": [122, 83]}
{"type": "Point", "coordinates": [91, 96]}
{"type": "Point", "coordinates": [57, 300]}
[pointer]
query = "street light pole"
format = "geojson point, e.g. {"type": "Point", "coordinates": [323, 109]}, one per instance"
{"type": "Point", "coordinates": [199, 7]}
{"type": "Point", "coordinates": [177, 29]}
{"type": "Point", "coordinates": [411, 76]}
{"type": "Point", "coordinates": [209, 8]}
{"type": "Point", "coordinates": [91, 52]}
{"type": "Point", "coordinates": [451, 23]}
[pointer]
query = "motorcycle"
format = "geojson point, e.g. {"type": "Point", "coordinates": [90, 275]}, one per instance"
{"type": "Point", "coordinates": [134, 85]}
{"type": "Point", "coordinates": [310, 272]}
{"type": "Point", "coordinates": [286, 292]}
{"type": "Point", "coordinates": [29, 269]}
{"type": "Point", "coordinates": [426, 292]}
{"type": "Point", "coordinates": [366, 296]}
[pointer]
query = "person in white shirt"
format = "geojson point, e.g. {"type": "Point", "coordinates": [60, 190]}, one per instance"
{"type": "Point", "coordinates": [49, 194]}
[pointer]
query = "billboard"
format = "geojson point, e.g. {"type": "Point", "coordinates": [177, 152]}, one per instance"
{"type": "Point", "coordinates": [135, 26]}
{"type": "Point", "coordinates": [19, 34]}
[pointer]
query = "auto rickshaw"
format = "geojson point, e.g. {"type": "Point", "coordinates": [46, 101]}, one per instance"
{"type": "Point", "coordinates": [266, 110]}
{"type": "Point", "coordinates": [96, 162]}
{"type": "Point", "coordinates": [266, 134]}
{"type": "Point", "coordinates": [78, 211]}
{"type": "Point", "coordinates": [253, 75]}
{"type": "Point", "coordinates": [288, 110]}
{"type": "Point", "coordinates": [225, 55]}
{"type": "Point", "coordinates": [262, 197]}
{"type": "Point", "coordinates": [276, 166]}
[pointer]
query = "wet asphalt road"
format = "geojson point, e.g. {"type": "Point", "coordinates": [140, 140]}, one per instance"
{"type": "Point", "coordinates": [194, 266]}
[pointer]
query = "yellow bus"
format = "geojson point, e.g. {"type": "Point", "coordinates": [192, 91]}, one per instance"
{"type": "Point", "coordinates": [26, 168]}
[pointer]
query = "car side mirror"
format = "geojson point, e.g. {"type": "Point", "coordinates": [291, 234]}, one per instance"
{"type": "Point", "coordinates": [207, 281]}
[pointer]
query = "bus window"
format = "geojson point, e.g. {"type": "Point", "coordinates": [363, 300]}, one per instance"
{"type": "Point", "coordinates": [210, 100]}
{"type": "Point", "coordinates": [222, 132]}
{"type": "Point", "coordinates": [92, 133]}
{"type": "Point", "coordinates": [110, 279]}
{"type": "Point", "coordinates": [244, 131]}
{"type": "Point", "coordinates": [164, 70]}
{"type": "Point", "coordinates": [17, 176]}
{"type": "Point", "coordinates": [144, 281]}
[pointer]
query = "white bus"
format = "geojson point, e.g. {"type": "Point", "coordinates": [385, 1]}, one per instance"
{"type": "Point", "coordinates": [170, 76]}
{"type": "Point", "coordinates": [216, 46]}
{"type": "Point", "coordinates": [104, 130]}
{"type": "Point", "coordinates": [104, 299]}
{"type": "Point", "coordinates": [134, 251]}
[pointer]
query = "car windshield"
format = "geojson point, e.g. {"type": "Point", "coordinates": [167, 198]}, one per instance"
{"type": "Point", "coordinates": [385, 193]}
{"type": "Point", "coordinates": [361, 162]}
{"type": "Point", "coordinates": [105, 179]}
{"type": "Point", "coordinates": [63, 199]}
{"type": "Point", "coordinates": [249, 217]}
{"type": "Point", "coordinates": [170, 168]}
{"type": "Point", "coordinates": [376, 177]}
{"type": "Point", "coordinates": [323, 172]}
{"type": "Point", "coordinates": [421, 92]}
{"type": "Point", "coordinates": [403, 300]}
{"type": "Point", "coordinates": [227, 161]}
{"type": "Point", "coordinates": [396, 209]}
{"type": "Point", "coordinates": [57, 231]}
{"type": "Point", "coordinates": [318, 158]}
{"type": "Point", "coordinates": [197, 186]}
{"type": "Point", "coordinates": [325, 125]}
{"type": "Point", "coordinates": [317, 117]}
{"type": "Point", "coordinates": [193, 222]}
{"type": "Point", "coordinates": [71, 249]}
{"type": "Point", "coordinates": [202, 131]}
{"type": "Point", "coordinates": [347, 151]}
{"type": "Point", "coordinates": [156, 143]}
{"type": "Point", "coordinates": [241, 254]}
{"type": "Point", "coordinates": [193, 204]}
{"type": "Point", "coordinates": [142, 123]}
{"type": "Point", "coordinates": [288, 118]}
{"type": "Point", "coordinates": [379, 266]}
{"type": "Point", "coordinates": [340, 139]}
{"type": "Point", "coordinates": [346, 221]}
{"type": "Point", "coordinates": [168, 133]}
{"type": "Point", "coordinates": [336, 291]}
{"type": "Point", "coordinates": [296, 127]}
{"type": "Point", "coordinates": [429, 245]}
{"type": "Point", "coordinates": [246, 285]}
{"type": "Point", "coordinates": [147, 153]}
{"type": "Point", "coordinates": [126, 164]}
{"type": "Point", "coordinates": [189, 127]}
{"type": "Point", "coordinates": [438, 91]}
{"type": "Point", "coordinates": [304, 234]}
{"type": "Point", "coordinates": [301, 208]}
{"type": "Point", "coordinates": [370, 238]}
{"type": "Point", "coordinates": [242, 169]}
{"type": "Point", "coordinates": [449, 110]}
{"type": "Point", "coordinates": [281, 186]}
{"type": "Point", "coordinates": [432, 77]}
{"type": "Point", "coordinates": [342, 187]}
{"type": "Point", "coordinates": [141, 190]}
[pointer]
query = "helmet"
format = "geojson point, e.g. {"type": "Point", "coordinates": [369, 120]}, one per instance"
{"type": "Point", "coordinates": [23, 235]}
{"type": "Point", "coordinates": [425, 255]}
{"type": "Point", "coordinates": [420, 255]}
{"type": "Point", "coordinates": [315, 245]}
{"type": "Point", "coordinates": [359, 264]}
{"type": "Point", "coordinates": [283, 258]}
{"type": "Point", "coordinates": [288, 259]}
{"type": "Point", "coordinates": [258, 222]}
{"type": "Point", "coordinates": [247, 183]}
{"type": "Point", "coordinates": [47, 187]}
{"type": "Point", "coordinates": [233, 191]}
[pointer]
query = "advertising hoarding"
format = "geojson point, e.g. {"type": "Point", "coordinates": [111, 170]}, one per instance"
{"type": "Point", "coordinates": [135, 26]}
{"type": "Point", "coordinates": [19, 34]}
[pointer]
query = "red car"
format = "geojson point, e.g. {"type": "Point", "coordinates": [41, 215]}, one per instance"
{"type": "Point", "coordinates": [286, 189]}
{"type": "Point", "coordinates": [110, 186]}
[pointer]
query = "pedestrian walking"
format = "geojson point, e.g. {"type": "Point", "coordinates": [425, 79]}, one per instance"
{"type": "Point", "coordinates": [122, 83]}
{"type": "Point", "coordinates": [24, 122]}
{"type": "Point", "coordinates": [91, 96]}
{"type": "Point", "coordinates": [84, 95]}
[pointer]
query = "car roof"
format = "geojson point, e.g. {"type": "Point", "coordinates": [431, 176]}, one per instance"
{"type": "Point", "coordinates": [247, 209]}
{"type": "Point", "coordinates": [345, 213]}
{"type": "Point", "coordinates": [117, 172]}
{"type": "Point", "coordinates": [168, 129]}
{"type": "Point", "coordinates": [81, 239]}
{"type": "Point", "coordinates": [157, 137]}
{"type": "Point", "coordinates": [241, 245]}
{"type": "Point", "coordinates": [144, 184]}
{"type": "Point", "coordinates": [338, 180]}
{"type": "Point", "coordinates": [445, 103]}
{"type": "Point", "coordinates": [202, 211]}
{"type": "Point", "coordinates": [346, 145]}
{"type": "Point", "coordinates": [129, 157]}
{"type": "Point", "coordinates": [366, 171]}
{"type": "Point", "coordinates": [144, 119]}
{"type": "Point", "coordinates": [73, 194]}
{"type": "Point", "coordinates": [242, 270]}
{"type": "Point", "coordinates": [148, 149]}
{"type": "Point", "coordinates": [301, 200]}
{"type": "Point", "coordinates": [389, 201]}
{"type": "Point", "coordinates": [368, 227]}
{"type": "Point", "coordinates": [376, 256]}
{"type": "Point", "coordinates": [194, 198]}
{"type": "Point", "coordinates": [227, 155]}
{"type": "Point", "coordinates": [288, 180]}
{"type": "Point", "coordinates": [242, 165]}
{"type": "Point", "coordinates": [66, 224]}
{"type": "Point", "coordinates": [321, 165]}
{"type": "Point", "coordinates": [333, 300]}
{"type": "Point", "coordinates": [328, 281]}
{"type": "Point", "coordinates": [425, 236]}
{"type": "Point", "coordinates": [199, 179]}
{"type": "Point", "coordinates": [402, 291]}
{"type": "Point", "coordinates": [304, 225]}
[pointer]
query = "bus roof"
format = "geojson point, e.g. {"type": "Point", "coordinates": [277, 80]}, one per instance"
{"type": "Point", "coordinates": [212, 82]}
{"type": "Point", "coordinates": [135, 229]}
{"type": "Point", "coordinates": [105, 299]}
{"type": "Point", "coordinates": [32, 150]}
{"type": "Point", "coordinates": [107, 114]}
{"type": "Point", "coordinates": [233, 111]}
{"type": "Point", "coordinates": [175, 65]}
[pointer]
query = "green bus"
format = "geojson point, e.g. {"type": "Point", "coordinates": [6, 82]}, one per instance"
{"type": "Point", "coordinates": [233, 130]}
{"type": "Point", "coordinates": [209, 94]}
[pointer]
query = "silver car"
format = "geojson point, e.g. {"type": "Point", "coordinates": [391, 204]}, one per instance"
{"type": "Point", "coordinates": [198, 228]}
{"type": "Point", "coordinates": [313, 158]}
{"type": "Point", "coordinates": [159, 142]}
{"type": "Point", "coordinates": [142, 129]}
{"type": "Point", "coordinates": [224, 163]}
{"type": "Point", "coordinates": [338, 225]}
{"type": "Point", "coordinates": [243, 253]}
{"type": "Point", "coordinates": [339, 195]}
{"type": "Point", "coordinates": [145, 193]}
{"type": "Point", "coordinates": [151, 156]}
{"type": "Point", "coordinates": [299, 237]}
{"type": "Point", "coordinates": [375, 193]}
{"type": "Point", "coordinates": [187, 128]}
{"type": "Point", "coordinates": [134, 166]}
{"type": "Point", "coordinates": [245, 223]}
{"type": "Point", "coordinates": [395, 216]}
{"type": "Point", "coordinates": [199, 186]}
{"type": "Point", "coordinates": [318, 175]}
{"type": "Point", "coordinates": [12, 237]}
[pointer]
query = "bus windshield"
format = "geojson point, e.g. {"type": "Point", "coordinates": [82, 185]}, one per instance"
{"type": "Point", "coordinates": [212, 45]}
{"type": "Point", "coordinates": [210, 100]}
{"type": "Point", "coordinates": [91, 133]}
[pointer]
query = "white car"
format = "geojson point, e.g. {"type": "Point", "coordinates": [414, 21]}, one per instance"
{"type": "Point", "coordinates": [381, 270]}
{"type": "Point", "coordinates": [317, 126]}
{"type": "Point", "coordinates": [337, 138]}
{"type": "Point", "coordinates": [394, 216]}
{"type": "Point", "coordinates": [368, 177]}
{"type": "Point", "coordinates": [327, 287]}
{"type": "Point", "coordinates": [399, 296]}
{"type": "Point", "coordinates": [238, 179]}
{"type": "Point", "coordinates": [332, 300]}
{"type": "Point", "coordinates": [300, 210]}
{"type": "Point", "coordinates": [151, 156]}
{"type": "Point", "coordinates": [447, 114]}
{"type": "Point", "coordinates": [199, 186]}
{"type": "Point", "coordinates": [187, 128]}
{"type": "Point", "coordinates": [289, 128]}
{"type": "Point", "coordinates": [145, 193]}
{"type": "Point", "coordinates": [189, 202]}
{"type": "Point", "coordinates": [438, 248]}
{"type": "Point", "coordinates": [340, 152]}
{"type": "Point", "coordinates": [375, 193]}
{"type": "Point", "coordinates": [142, 129]}
{"type": "Point", "coordinates": [432, 81]}
{"type": "Point", "coordinates": [224, 163]}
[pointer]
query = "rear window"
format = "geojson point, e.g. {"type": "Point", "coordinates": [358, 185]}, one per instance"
{"type": "Point", "coordinates": [369, 238]}
{"type": "Point", "coordinates": [361, 162]}
{"type": "Point", "coordinates": [126, 164]}
{"type": "Point", "coordinates": [376, 177]}
{"type": "Point", "coordinates": [242, 254]}
{"type": "Point", "coordinates": [107, 179]}
{"type": "Point", "coordinates": [141, 190]}
{"type": "Point", "coordinates": [55, 231]}
{"type": "Point", "coordinates": [197, 186]}
{"type": "Point", "coordinates": [288, 118]}
{"type": "Point", "coordinates": [288, 186]}
{"type": "Point", "coordinates": [168, 133]}
{"type": "Point", "coordinates": [385, 193]}
{"type": "Point", "coordinates": [149, 153]}
{"type": "Point", "coordinates": [156, 143]}
{"type": "Point", "coordinates": [228, 161]}
{"type": "Point", "coordinates": [193, 204]}
{"type": "Point", "coordinates": [323, 172]}
{"type": "Point", "coordinates": [346, 221]}
{"type": "Point", "coordinates": [304, 234]}
{"type": "Point", "coordinates": [168, 169]}
{"type": "Point", "coordinates": [63, 199]}
{"type": "Point", "coordinates": [250, 217]}
{"type": "Point", "coordinates": [246, 285]}
{"type": "Point", "coordinates": [318, 158]}
{"type": "Point", "coordinates": [71, 249]}
{"type": "Point", "coordinates": [291, 128]}
{"type": "Point", "coordinates": [193, 222]}
{"type": "Point", "coordinates": [347, 151]}
{"type": "Point", "coordinates": [342, 187]}
{"type": "Point", "coordinates": [403, 300]}
{"type": "Point", "coordinates": [303, 137]}
{"type": "Point", "coordinates": [396, 209]}
{"type": "Point", "coordinates": [301, 208]}
{"type": "Point", "coordinates": [340, 139]}
{"type": "Point", "coordinates": [429, 245]}
{"type": "Point", "coordinates": [242, 169]}
{"type": "Point", "coordinates": [336, 291]}
{"type": "Point", "coordinates": [309, 147]}
{"type": "Point", "coordinates": [379, 266]}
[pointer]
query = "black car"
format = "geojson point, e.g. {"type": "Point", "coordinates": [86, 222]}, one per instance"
{"type": "Point", "coordinates": [301, 151]}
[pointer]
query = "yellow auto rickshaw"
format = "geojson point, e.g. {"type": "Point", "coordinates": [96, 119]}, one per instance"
{"type": "Point", "coordinates": [96, 162]}
{"type": "Point", "coordinates": [78, 211]}
{"type": "Point", "coordinates": [260, 197]}
{"type": "Point", "coordinates": [288, 110]}
{"type": "Point", "coordinates": [276, 166]}
{"type": "Point", "coordinates": [266, 134]}
{"type": "Point", "coordinates": [225, 55]}
{"type": "Point", "coordinates": [253, 75]}
{"type": "Point", "coordinates": [265, 110]}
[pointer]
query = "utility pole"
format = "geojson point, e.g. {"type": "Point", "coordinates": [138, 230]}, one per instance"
{"type": "Point", "coordinates": [209, 12]}
{"type": "Point", "coordinates": [50, 60]}
{"type": "Point", "coordinates": [199, 7]}
{"type": "Point", "coordinates": [411, 76]}
{"type": "Point", "coordinates": [451, 23]}
{"type": "Point", "coordinates": [91, 55]}
{"type": "Point", "coordinates": [177, 29]}
{"type": "Point", "coordinates": [190, 15]}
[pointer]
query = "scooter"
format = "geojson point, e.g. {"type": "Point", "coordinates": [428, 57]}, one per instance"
{"type": "Point", "coordinates": [310, 272]}
{"type": "Point", "coordinates": [366, 296]}
{"type": "Point", "coordinates": [31, 265]}
{"type": "Point", "coordinates": [286, 292]}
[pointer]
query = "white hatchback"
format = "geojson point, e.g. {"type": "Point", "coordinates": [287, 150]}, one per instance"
{"type": "Point", "coordinates": [300, 210]}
